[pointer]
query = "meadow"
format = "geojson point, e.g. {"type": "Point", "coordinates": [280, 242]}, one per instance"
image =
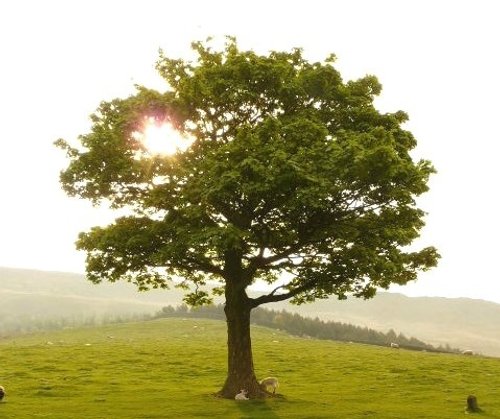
{"type": "Point", "coordinates": [171, 368]}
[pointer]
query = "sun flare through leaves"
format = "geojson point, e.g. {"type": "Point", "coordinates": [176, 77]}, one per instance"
{"type": "Point", "coordinates": [161, 138]}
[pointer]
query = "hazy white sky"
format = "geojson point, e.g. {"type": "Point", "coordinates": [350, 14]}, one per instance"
{"type": "Point", "coordinates": [437, 60]}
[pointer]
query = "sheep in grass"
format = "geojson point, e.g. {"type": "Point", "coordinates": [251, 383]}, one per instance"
{"type": "Point", "coordinates": [242, 395]}
{"type": "Point", "coordinates": [2, 392]}
{"type": "Point", "coordinates": [269, 382]}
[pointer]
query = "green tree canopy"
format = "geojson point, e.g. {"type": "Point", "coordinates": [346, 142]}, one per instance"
{"type": "Point", "coordinates": [293, 177]}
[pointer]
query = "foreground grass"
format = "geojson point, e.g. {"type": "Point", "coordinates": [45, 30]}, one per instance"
{"type": "Point", "coordinates": [170, 368]}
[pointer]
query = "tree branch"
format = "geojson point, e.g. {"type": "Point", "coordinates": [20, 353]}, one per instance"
{"type": "Point", "coordinates": [272, 297]}
{"type": "Point", "coordinates": [202, 265]}
{"type": "Point", "coordinates": [259, 261]}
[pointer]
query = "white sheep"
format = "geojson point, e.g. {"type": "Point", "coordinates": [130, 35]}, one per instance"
{"type": "Point", "coordinates": [394, 345]}
{"type": "Point", "coordinates": [2, 392]}
{"type": "Point", "coordinates": [468, 352]}
{"type": "Point", "coordinates": [242, 395]}
{"type": "Point", "coordinates": [269, 382]}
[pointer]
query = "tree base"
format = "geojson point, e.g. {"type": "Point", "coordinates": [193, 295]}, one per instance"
{"type": "Point", "coordinates": [252, 395]}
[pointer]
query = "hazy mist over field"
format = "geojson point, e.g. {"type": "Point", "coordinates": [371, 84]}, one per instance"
{"type": "Point", "coordinates": [28, 295]}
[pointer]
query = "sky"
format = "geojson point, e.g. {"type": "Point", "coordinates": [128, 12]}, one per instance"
{"type": "Point", "coordinates": [438, 60]}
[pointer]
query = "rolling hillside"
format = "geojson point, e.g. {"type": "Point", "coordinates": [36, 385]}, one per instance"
{"type": "Point", "coordinates": [463, 323]}
{"type": "Point", "coordinates": [170, 368]}
{"type": "Point", "coordinates": [32, 292]}
{"type": "Point", "coordinates": [459, 322]}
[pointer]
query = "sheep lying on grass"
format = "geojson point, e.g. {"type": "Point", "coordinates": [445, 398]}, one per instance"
{"type": "Point", "coordinates": [269, 382]}
{"type": "Point", "coordinates": [2, 392]}
{"type": "Point", "coordinates": [242, 395]}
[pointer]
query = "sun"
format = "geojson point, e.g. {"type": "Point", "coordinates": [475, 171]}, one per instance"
{"type": "Point", "coordinates": [162, 138]}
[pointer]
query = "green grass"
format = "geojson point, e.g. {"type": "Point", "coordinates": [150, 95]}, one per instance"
{"type": "Point", "coordinates": [170, 368]}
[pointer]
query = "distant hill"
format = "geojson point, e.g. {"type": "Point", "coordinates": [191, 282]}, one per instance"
{"type": "Point", "coordinates": [463, 323]}
{"type": "Point", "coordinates": [31, 292]}
{"type": "Point", "coordinates": [459, 322]}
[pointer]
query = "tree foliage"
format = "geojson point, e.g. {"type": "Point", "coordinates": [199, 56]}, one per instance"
{"type": "Point", "coordinates": [293, 177]}
{"type": "Point", "coordinates": [292, 170]}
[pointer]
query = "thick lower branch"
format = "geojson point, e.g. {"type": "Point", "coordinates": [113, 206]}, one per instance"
{"type": "Point", "coordinates": [273, 298]}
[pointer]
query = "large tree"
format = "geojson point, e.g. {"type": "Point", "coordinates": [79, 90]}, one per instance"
{"type": "Point", "coordinates": [293, 177]}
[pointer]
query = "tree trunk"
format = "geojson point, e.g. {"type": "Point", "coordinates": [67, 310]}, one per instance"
{"type": "Point", "coordinates": [240, 373]}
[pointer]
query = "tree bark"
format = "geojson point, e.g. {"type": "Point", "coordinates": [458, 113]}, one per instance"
{"type": "Point", "coordinates": [240, 372]}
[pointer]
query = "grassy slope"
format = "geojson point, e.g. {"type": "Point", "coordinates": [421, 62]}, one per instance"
{"type": "Point", "coordinates": [463, 323]}
{"type": "Point", "coordinates": [169, 368]}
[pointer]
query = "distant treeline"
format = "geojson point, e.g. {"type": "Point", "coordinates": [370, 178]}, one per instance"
{"type": "Point", "coordinates": [298, 325]}
{"type": "Point", "coordinates": [294, 324]}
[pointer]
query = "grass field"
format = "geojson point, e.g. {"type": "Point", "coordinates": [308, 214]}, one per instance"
{"type": "Point", "coordinates": [170, 368]}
